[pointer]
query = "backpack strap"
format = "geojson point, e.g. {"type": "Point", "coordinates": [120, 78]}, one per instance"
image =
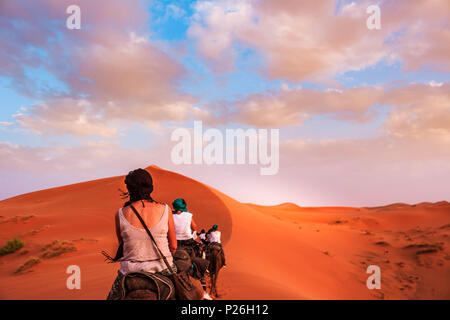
{"type": "Point", "coordinates": [153, 239]}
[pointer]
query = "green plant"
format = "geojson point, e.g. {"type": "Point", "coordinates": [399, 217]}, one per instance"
{"type": "Point", "coordinates": [11, 246]}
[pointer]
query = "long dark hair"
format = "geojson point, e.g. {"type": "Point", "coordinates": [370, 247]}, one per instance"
{"type": "Point", "coordinates": [139, 184]}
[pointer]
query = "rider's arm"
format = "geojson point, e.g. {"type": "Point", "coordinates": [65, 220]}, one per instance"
{"type": "Point", "coordinates": [193, 224]}
{"type": "Point", "coordinates": [171, 235]}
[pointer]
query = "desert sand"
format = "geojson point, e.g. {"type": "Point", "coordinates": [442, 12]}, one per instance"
{"type": "Point", "coordinates": [273, 252]}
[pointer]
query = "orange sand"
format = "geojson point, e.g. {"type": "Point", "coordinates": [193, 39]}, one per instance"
{"type": "Point", "coordinates": [273, 252]}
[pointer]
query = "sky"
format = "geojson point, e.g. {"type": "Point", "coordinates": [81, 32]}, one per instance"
{"type": "Point", "coordinates": [363, 114]}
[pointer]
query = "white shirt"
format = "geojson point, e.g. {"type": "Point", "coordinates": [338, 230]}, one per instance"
{"type": "Point", "coordinates": [202, 236]}
{"type": "Point", "coordinates": [140, 254]}
{"type": "Point", "coordinates": [182, 223]}
{"type": "Point", "coordinates": [214, 236]}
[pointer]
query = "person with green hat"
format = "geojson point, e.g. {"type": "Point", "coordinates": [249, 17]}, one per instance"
{"type": "Point", "coordinates": [213, 237]}
{"type": "Point", "coordinates": [213, 234]}
{"type": "Point", "coordinates": [184, 222]}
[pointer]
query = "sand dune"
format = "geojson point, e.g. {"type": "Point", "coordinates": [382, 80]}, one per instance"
{"type": "Point", "coordinates": [273, 252]}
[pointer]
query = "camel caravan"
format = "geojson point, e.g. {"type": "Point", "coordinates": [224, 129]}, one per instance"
{"type": "Point", "coordinates": [161, 255]}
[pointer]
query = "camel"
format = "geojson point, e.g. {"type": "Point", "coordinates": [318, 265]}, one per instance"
{"type": "Point", "coordinates": [216, 262]}
{"type": "Point", "coordinates": [155, 286]}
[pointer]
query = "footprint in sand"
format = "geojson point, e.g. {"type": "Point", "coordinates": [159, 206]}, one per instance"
{"type": "Point", "coordinates": [34, 231]}
{"type": "Point", "coordinates": [17, 219]}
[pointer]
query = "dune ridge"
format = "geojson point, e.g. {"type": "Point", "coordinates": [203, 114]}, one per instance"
{"type": "Point", "coordinates": [273, 252]}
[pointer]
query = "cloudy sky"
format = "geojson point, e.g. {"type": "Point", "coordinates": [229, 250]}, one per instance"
{"type": "Point", "coordinates": [364, 115]}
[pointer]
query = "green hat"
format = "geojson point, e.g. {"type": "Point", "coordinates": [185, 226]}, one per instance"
{"type": "Point", "coordinates": [214, 227]}
{"type": "Point", "coordinates": [179, 205]}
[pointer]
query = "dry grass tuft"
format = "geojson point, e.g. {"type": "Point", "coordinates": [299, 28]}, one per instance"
{"type": "Point", "coordinates": [57, 248]}
{"type": "Point", "coordinates": [11, 246]}
{"type": "Point", "coordinates": [28, 264]}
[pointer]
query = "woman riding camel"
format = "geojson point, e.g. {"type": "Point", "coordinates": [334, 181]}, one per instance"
{"type": "Point", "coordinates": [213, 237]}
{"type": "Point", "coordinates": [213, 234]}
{"type": "Point", "coordinates": [139, 253]}
{"type": "Point", "coordinates": [184, 223]}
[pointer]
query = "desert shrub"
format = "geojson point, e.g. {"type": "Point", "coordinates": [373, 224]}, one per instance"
{"type": "Point", "coordinates": [28, 264]}
{"type": "Point", "coordinates": [57, 248]}
{"type": "Point", "coordinates": [11, 246]}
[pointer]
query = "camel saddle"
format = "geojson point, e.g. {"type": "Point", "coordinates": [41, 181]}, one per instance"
{"type": "Point", "coordinates": [147, 286]}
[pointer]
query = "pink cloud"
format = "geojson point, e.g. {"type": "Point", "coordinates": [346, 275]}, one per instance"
{"type": "Point", "coordinates": [422, 112]}
{"type": "Point", "coordinates": [304, 40]}
{"type": "Point", "coordinates": [424, 33]}
{"type": "Point", "coordinates": [111, 63]}
{"type": "Point", "coordinates": [418, 111]}
{"type": "Point", "coordinates": [292, 107]}
{"type": "Point", "coordinates": [66, 115]}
